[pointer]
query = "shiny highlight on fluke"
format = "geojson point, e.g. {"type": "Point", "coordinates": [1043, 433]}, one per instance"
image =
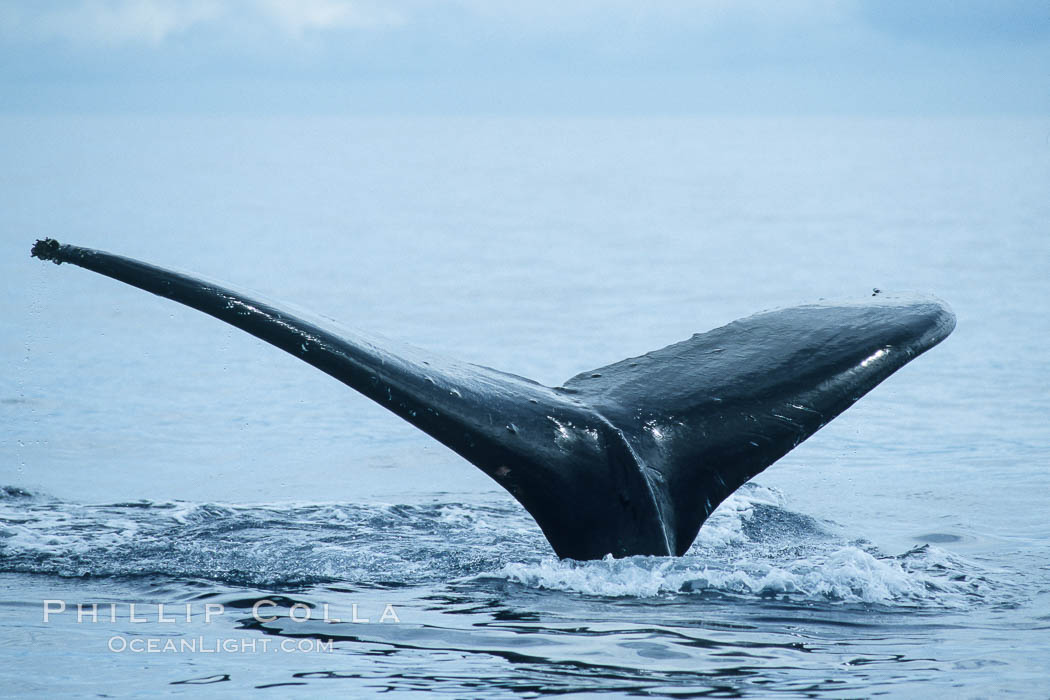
{"type": "Point", "coordinates": [627, 459]}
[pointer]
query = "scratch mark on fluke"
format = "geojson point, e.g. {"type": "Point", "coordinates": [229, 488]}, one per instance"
{"type": "Point", "coordinates": [643, 449]}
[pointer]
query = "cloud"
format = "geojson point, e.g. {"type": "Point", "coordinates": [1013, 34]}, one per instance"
{"type": "Point", "coordinates": [963, 22]}
{"type": "Point", "coordinates": [154, 22]}
{"type": "Point", "coordinates": [298, 16]}
{"type": "Point", "coordinates": [664, 54]}
{"type": "Point", "coordinates": [566, 14]}
{"type": "Point", "coordinates": [112, 21]}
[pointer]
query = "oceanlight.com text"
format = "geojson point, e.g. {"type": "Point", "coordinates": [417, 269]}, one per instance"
{"type": "Point", "coordinates": [202, 645]}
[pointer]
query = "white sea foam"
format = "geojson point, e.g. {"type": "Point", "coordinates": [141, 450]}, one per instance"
{"type": "Point", "coordinates": [754, 546]}
{"type": "Point", "coordinates": [847, 574]}
{"type": "Point", "coordinates": [725, 526]}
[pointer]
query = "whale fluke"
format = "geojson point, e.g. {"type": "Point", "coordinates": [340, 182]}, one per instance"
{"type": "Point", "coordinates": [625, 459]}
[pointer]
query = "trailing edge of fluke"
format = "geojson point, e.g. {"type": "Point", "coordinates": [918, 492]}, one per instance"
{"type": "Point", "coordinates": [625, 459]}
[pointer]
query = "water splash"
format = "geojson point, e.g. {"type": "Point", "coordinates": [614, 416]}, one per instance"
{"type": "Point", "coordinates": [753, 546]}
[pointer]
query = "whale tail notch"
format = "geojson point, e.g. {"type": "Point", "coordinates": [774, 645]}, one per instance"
{"type": "Point", "coordinates": [626, 459]}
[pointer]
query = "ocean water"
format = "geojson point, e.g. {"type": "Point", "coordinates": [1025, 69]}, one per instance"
{"type": "Point", "coordinates": [152, 456]}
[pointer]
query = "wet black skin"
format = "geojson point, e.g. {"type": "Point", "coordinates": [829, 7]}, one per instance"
{"type": "Point", "coordinates": [626, 459]}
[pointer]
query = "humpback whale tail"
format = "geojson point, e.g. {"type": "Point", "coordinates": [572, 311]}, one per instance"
{"type": "Point", "coordinates": [625, 459]}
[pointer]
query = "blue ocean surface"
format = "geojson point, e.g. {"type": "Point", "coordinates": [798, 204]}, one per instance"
{"type": "Point", "coordinates": [278, 532]}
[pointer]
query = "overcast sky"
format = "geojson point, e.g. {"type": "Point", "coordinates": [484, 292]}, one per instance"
{"type": "Point", "coordinates": [527, 56]}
